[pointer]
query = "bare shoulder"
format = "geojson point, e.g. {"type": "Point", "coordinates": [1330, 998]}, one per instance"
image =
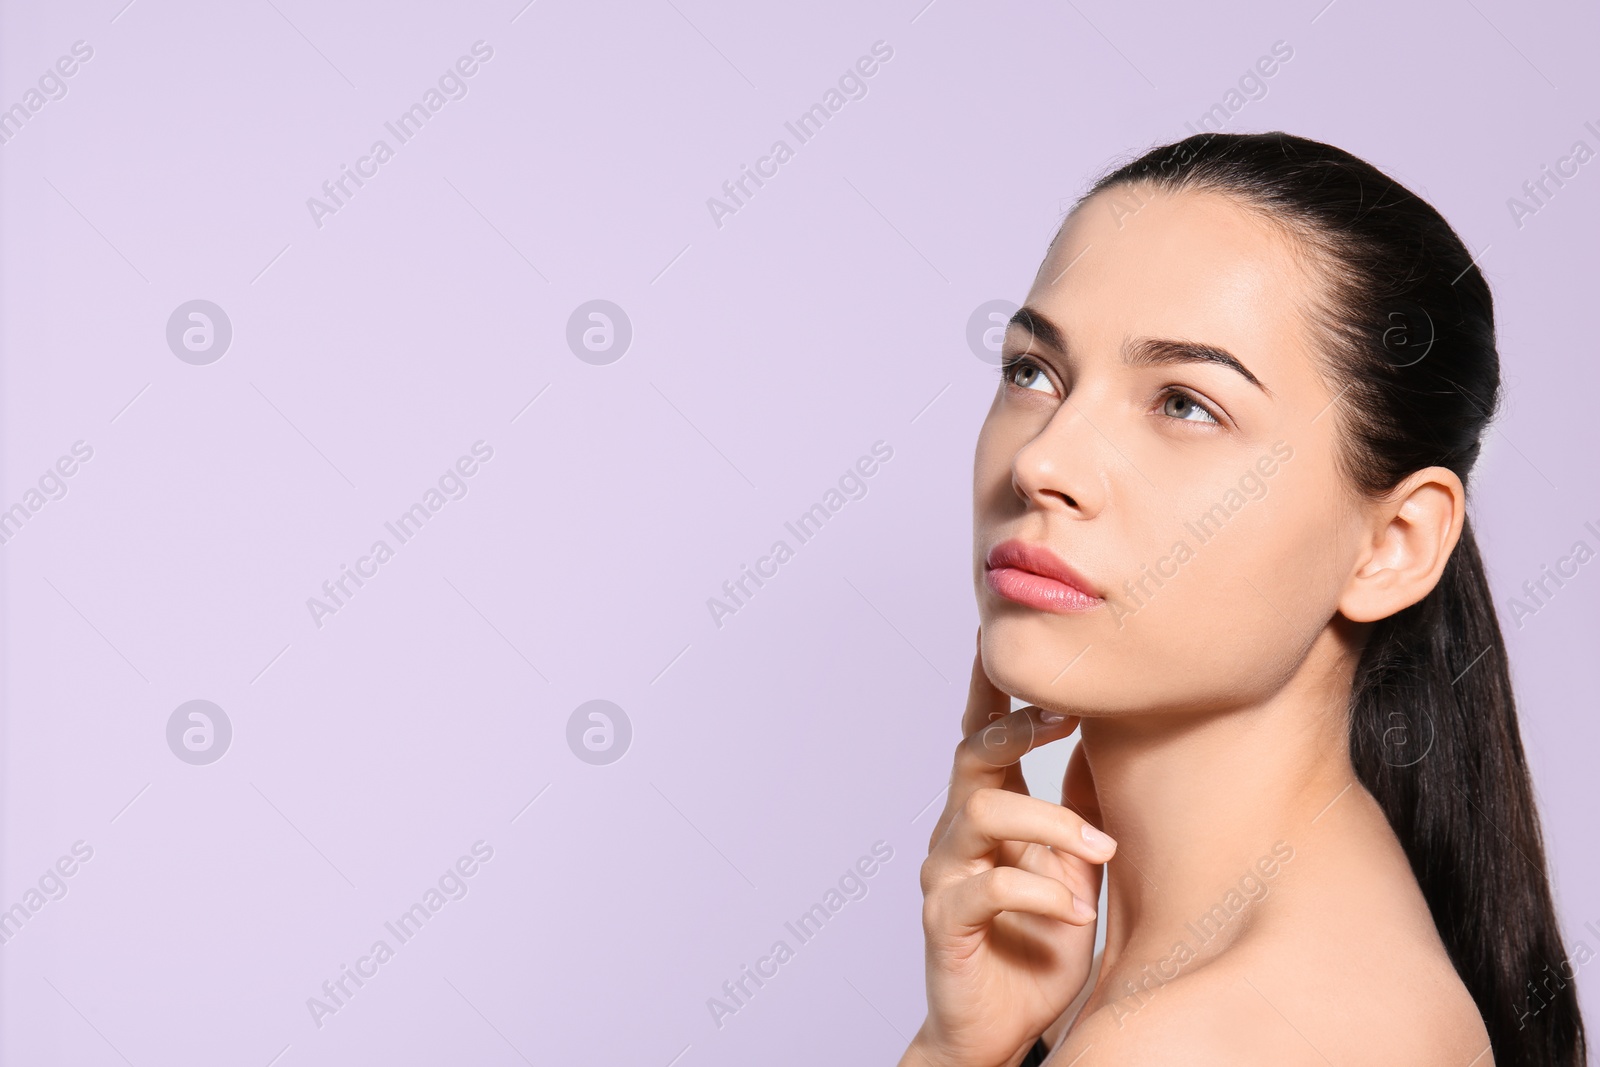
{"type": "Point", "coordinates": [1319, 993]}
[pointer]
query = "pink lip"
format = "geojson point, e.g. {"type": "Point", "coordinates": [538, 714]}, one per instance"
{"type": "Point", "coordinates": [1033, 575]}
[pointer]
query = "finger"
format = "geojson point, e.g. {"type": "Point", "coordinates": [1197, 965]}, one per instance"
{"type": "Point", "coordinates": [1080, 877]}
{"type": "Point", "coordinates": [973, 903]}
{"type": "Point", "coordinates": [988, 756]}
{"type": "Point", "coordinates": [985, 701]}
{"type": "Point", "coordinates": [991, 817]}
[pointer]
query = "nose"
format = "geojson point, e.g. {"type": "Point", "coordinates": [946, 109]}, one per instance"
{"type": "Point", "coordinates": [1063, 468]}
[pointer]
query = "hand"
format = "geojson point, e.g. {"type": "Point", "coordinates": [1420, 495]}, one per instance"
{"type": "Point", "coordinates": [1009, 888]}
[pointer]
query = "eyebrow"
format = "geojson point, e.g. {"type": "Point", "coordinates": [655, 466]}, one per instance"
{"type": "Point", "coordinates": [1140, 352]}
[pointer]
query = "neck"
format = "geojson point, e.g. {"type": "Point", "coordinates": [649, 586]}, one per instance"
{"type": "Point", "coordinates": [1209, 808]}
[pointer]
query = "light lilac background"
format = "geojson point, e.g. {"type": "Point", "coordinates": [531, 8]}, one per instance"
{"type": "Point", "coordinates": [768, 355]}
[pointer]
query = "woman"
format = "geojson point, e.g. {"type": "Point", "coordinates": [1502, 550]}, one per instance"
{"type": "Point", "coordinates": [1220, 524]}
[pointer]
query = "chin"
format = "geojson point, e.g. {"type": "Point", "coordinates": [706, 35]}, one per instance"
{"type": "Point", "coordinates": [1024, 655]}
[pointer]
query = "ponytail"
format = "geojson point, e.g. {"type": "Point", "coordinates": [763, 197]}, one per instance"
{"type": "Point", "coordinates": [1434, 738]}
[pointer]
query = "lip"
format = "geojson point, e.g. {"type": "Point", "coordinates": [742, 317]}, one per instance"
{"type": "Point", "coordinates": [1034, 576]}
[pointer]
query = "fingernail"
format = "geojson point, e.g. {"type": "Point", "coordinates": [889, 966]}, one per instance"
{"type": "Point", "coordinates": [1081, 908]}
{"type": "Point", "coordinates": [1097, 838]}
{"type": "Point", "coordinates": [1051, 716]}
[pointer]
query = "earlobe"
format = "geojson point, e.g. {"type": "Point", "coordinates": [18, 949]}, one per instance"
{"type": "Point", "coordinates": [1413, 531]}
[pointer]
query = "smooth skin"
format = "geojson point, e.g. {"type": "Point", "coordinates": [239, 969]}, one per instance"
{"type": "Point", "coordinates": [1209, 688]}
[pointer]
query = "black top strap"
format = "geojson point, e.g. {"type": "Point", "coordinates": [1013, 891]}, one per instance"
{"type": "Point", "coordinates": [1036, 1054]}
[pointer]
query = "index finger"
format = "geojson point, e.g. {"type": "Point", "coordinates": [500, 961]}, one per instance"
{"type": "Point", "coordinates": [995, 740]}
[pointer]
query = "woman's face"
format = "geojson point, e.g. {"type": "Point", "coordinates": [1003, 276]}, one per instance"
{"type": "Point", "coordinates": [1195, 492]}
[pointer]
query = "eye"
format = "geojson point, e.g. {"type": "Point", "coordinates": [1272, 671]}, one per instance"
{"type": "Point", "coordinates": [1024, 373]}
{"type": "Point", "coordinates": [1181, 405]}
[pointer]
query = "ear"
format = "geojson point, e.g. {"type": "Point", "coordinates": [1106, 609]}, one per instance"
{"type": "Point", "coordinates": [1411, 533]}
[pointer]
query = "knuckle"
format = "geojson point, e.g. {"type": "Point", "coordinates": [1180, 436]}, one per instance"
{"type": "Point", "coordinates": [981, 805]}
{"type": "Point", "coordinates": [1000, 883]}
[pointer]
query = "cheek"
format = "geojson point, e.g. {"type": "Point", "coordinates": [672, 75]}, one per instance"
{"type": "Point", "coordinates": [1220, 610]}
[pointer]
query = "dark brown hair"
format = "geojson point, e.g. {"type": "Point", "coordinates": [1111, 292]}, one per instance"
{"type": "Point", "coordinates": [1406, 323]}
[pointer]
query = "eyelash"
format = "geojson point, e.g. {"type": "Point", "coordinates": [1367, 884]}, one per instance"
{"type": "Point", "coordinates": [1013, 363]}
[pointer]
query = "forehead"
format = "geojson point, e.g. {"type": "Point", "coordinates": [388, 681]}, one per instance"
{"type": "Point", "coordinates": [1132, 261]}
